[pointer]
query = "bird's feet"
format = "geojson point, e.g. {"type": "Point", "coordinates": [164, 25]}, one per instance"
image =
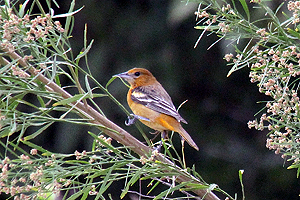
{"type": "Point", "coordinates": [164, 136]}
{"type": "Point", "coordinates": [132, 118]}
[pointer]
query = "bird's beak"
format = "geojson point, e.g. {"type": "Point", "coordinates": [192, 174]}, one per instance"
{"type": "Point", "coordinates": [123, 75]}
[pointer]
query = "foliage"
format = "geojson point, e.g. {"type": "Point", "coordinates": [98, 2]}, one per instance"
{"type": "Point", "coordinates": [35, 56]}
{"type": "Point", "coordinates": [271, 51]}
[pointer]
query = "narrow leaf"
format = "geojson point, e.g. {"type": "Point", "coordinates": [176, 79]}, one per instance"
{"type": "Point", "coordinates": [241, 181]}
{"type": "Point", "coordinates": [37, 147]}
{"type": "Point", "coordinates": [77, 194]}
{"type": "Point", "coordinates": [106, 183]}
{"type": "Point", "coordinates": [67, 14]}
{"type": "Point", "coordinates": [169, 191]}
{"type": "Point", "coordinates": [86, 192]}
{"type": "Point", "coordinates": [212, 27]}
{"type": "Point", "coordinates": [83, 53]}
{"type": "Point", "coordinates": [153, 187]}
{"type": "Point", "coordinates": [293, 33]}
{"type": "Point", "coordinates": [41, 101]}
{"type": "Point", "coordinates": [246, 9]}
{"type": "Point", "coordinates": [29, 137]}
{"type": "Point", "coordinates": [75, 98]}
{"type": "Point", "coordinates": [110, 81]}
{"type": "Point", "coordinates": [162, 174]}
{"type": "Point", "coordinates": [22, 8]}
{"type": "Point", "coordinates": [131, 182]}
{"type": "Point", "coordinates": [88, 87]}
{"type": "Point", "coordinates": [197, 186]}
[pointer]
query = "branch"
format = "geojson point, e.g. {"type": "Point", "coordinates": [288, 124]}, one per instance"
{"type": "Point", "coordinates": [108, 127]}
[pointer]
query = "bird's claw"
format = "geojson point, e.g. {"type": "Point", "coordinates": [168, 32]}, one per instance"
{"type": "Point", "coordinates": [132, 118]}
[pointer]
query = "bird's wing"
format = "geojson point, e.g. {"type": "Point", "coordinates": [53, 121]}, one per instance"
{"type": "Point", "coordinates": [157, 99]}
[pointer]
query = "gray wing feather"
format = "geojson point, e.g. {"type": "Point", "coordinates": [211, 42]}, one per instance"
{"type": "Point", "coordinates": [158, 100]}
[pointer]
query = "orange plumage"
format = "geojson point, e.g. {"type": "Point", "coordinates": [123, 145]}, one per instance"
{"type": "Point", "coordinates": [153, 106]}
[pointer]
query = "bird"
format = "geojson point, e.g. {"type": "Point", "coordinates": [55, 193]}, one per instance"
{"type": "Point", "coordinates": [152, 105]}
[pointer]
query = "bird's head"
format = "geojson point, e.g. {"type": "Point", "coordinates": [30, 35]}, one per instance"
{"type": "Point", "coordinates": [137, 77]}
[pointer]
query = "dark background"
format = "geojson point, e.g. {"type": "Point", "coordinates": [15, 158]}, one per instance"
{"type": "Point", "coordinates": [160, 36]}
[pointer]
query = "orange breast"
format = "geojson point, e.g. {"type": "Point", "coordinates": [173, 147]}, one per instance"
{"type": "Point", "coordinates": [157, 121]}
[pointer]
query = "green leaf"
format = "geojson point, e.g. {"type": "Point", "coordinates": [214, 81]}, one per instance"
{"type": "Point", "coordinates": [22, 8]}
{"type": "Point", "coordinates": [76, 97]}
{"type": "Point", "coordinates": [5, 131]}
{"type": "Point", "coordinates": [241, 181]}
{"type": "Point", "coordinates": [4, 66]}
{"type": "Point", "coordinates": [6, 146]}
{"type": "Point", "coordinates": [17, 148]}
{"type": "Point", "coordinates": [162, 174]}
{"type": "Point", "coordinates": [293, 33]}
{"type": "Point", "coordinates": [295, 166]}
{"type": "Point", "coordinates": [69, 14]}
{"type": "Point", "coordinates": [37, 147]}
{"type": "Point", "coordinates": [153, 187]}
{"type": "Point", "coordinates": [57, 81]}
{"type": "Point", "coordinates": [41, 101]}
{"type": "Point", "coordinates": [80, 192]}
{"type": "Point", "coordinates": [87, 85]}
{"type": "Point", "coordinates": [212, 27]}
{"type": "Point", "coordinates": [110, 147]}
{"type": "Point", "coordinates": [83, 53]}
{"type": "Point", "coordinates": [86, 192]}
{"type": "Point", "coordinates": [38, 132]}
{"type": "Point", "coordinates": [170, 190]}
{"type": "Point", "coordinates": [246, 9]}
{"type": "Point", "coordinates": [99, 195]}
{"type": "Point", "coordinates": [133, 179]}
{"type": "Point", "coordinates": [193, 186]}
{"type": "Point", "coordinates": [106, 183]}
{"type": "Point", "coordinates": [110, 81]}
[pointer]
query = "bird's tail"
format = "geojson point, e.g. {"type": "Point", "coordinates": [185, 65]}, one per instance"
{"type": "Point", "coordinates": [187, 138]}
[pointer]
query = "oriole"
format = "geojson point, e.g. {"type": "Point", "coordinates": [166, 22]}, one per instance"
{"type": "Point", "coordinates": [151, 104]}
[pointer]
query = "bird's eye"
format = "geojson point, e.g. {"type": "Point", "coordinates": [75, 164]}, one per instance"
{"type": "Point", "coordinates": [137, 73]}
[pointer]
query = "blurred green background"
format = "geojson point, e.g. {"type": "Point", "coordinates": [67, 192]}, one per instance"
{"type": "Point", "coordinates": [160, 36]}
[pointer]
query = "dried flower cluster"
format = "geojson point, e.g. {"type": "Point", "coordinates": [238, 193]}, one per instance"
{"type": "Point", "coordinates": [295, 7]}
{"type": "Point", "coordinates": [276, 72]}
{"type": "Point", "coordinates": [104, 139]}
{"type": "Point", "coordinates": [206, 18]}
{"type": "Point", "coordinates": [21, 186]}
{"type": "Point", "coordinates": [276, 69]}
{"type": "Point", "coordinates": [80, 155]}
{"type": "Point", "coordinates": [144, 160]}
{"type": "Point", "coordinates": [36, 28]}
{"type": "Point", "coordinates": [15, 32]}
{"type": "Point", "coordinates": [275, 66]}
{"type": "Point", "coordinates": [31, 178]}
